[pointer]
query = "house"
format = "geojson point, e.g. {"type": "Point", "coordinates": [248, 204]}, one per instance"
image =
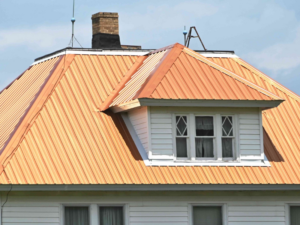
{"type": "Point", "coordinates": [126, 136]}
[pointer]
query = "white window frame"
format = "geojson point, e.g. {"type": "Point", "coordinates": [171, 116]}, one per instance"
{"type": "Point", "coordinates": [217, 120]}
{"type": "Point", "coordinates": [288, 211]}
{"type": "Point", "coordinates": [94, 217]}
{"type": "Point", "coordinates": [63, 206]}
{"type": "Point", "coordinates": [223, 210]}
{"type": "Point", "coordinates": [187, 137]}
{"type": "Point", "coordinates": [213, 137]}
{"type": "Point", "coordinates": [234, 153]}
{"type": "Point", "coordinates": [124, 206]}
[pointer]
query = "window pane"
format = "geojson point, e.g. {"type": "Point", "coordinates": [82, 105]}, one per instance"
{"type": "Point", "coordinates": [181, 125]}
{"type": "Point", "coordinates": [76, 216]}
{"type": "Point", "coordinates": [204, 147]}
{"type": "Point", "coordinates": [227, 128]}
{"type": "Point", "coordinates": [207, 215]}
{"type": "Point", "coordinates": [204, 126]}
{"type": "Point", "coordinates": [111, 216]}
{"type": "Point", "coordinates": [227, 148]}
{"type": "Point", "coordinates": [181, 147]}
{"type": "Point", "coordinates": [295, 215]}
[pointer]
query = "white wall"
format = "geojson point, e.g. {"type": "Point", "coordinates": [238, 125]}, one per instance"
{"type": "Point", "coordinates": [250, 135]}
{"type": "Point", "coordinates": [146, 210]}
{"type": "Point", "coordinates": [161, 132]}
{"type": "Point", "coordinates": [139, 120]}
{"type": "Point", "coordinates": [248, 130]}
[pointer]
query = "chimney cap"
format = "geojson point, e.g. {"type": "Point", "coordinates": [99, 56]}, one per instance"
{"type": "Point", "coordinates": [105, 14]}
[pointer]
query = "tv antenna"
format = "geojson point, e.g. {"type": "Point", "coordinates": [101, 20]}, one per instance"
{"type": "Point", "coordinates": [73, 24]}
{"type": "Point", "coordinates": [190, 36]}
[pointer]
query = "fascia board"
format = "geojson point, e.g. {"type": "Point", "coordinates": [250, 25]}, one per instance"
{"type": "Point", "coordinates": [154, 187]}
{"type": "Point", "coordinates": [210, 103]}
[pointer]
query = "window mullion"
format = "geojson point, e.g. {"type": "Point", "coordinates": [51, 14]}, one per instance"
{"type": "Point", "coordinates": [192, 130]}
{"type": "Point", "coordinates": [218, 135]}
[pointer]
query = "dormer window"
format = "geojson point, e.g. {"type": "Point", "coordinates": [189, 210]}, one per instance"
{"type": "Point", "coordinates": [213, 137]}
{"type": "Point", "coordinates": [204, 140]}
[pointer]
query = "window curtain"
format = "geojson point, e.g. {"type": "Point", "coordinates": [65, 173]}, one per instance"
{"type": "Point", "coordinates": [76, 216]}
{"type": "Point", "coordinates": [295, 215]}
{"type": "Point", "coordinates": [227, 148]}
{"type": "Point", "coordinates": [204, 126]}
{"type": "Point", "coordinates": [111, 216]}
{"type": "Point", "coordinates": [207, 215]}
{"type": "Point", "coordinates": [204, 147]}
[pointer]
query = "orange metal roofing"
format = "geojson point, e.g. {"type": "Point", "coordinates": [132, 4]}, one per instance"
{"type": "Point", "coordinates": [16, 99]}
{"type": "Point", "coordinates": [180, 73]}
{"type": "Point", "coordinates": [71, 142]}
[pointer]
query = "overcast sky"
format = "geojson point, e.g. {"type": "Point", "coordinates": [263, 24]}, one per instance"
{"type": "Point", "coordinates": [265, 33]}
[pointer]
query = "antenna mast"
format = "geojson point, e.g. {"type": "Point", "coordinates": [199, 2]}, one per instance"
{"type": "Point", "coordinates": [73, 21]}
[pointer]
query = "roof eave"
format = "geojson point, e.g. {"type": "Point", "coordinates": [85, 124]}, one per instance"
{"type": "Point", "coordinates": [263, 104]}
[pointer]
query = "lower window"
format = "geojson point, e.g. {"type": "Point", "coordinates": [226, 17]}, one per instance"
{"type": "Point", "coordinates": [295, 215]}
{"type": "Point", "coordinates": [111, 215]}
{"type": "Point", "coordinates": [207, 215]}
{"type": "Point", "coordinates": [76, 215]}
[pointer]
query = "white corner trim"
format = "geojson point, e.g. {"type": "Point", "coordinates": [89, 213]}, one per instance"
{"type": "Point", "coordinates": [104, 52]}
{"type": "Point", "coordinates": [218, 55]}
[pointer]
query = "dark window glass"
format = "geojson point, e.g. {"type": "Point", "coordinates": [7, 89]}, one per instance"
{"type": "Point", "coordinates": [295, 215]}
{"type": "Point", "coordinates": [207, 215]}
{"type": "Point", "coordinates": [227, 148]}
{"type": "Point", "coordinates": [181, 147]}
{"type": "Point", "coordinates": [76, 216]}
{"type": "Point", "coordinates": [204, 126]}
{"type": "Point", "coordinates": [204, 147]}
{"type": "Point", "coordinates": [111, 216]}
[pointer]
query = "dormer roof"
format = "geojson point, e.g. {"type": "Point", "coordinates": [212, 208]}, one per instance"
{"type": "Point", "coordinates": [179, 73]}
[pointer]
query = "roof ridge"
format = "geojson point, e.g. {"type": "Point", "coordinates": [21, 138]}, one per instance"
{"type": "Point", "coordinates": [105, 105]}
{"type": "Point", "coordinates": [34, 109]}
{"type": "Point", "coordinates": [231, 74]}
{"type": "Point", "coordinates": [158, 74]}
{"type": "Point", "coordinates": [280, 86]}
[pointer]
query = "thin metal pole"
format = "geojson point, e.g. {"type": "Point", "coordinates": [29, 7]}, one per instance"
{"type": "Point", "coordinates": [73, 21]}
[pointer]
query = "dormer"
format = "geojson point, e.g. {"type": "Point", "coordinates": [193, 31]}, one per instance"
{"type": "Point", "coordinates": [181, 108]}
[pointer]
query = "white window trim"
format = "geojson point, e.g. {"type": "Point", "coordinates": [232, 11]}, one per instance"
{"type": "Point", "coordinates": [188, 137]}
{"type": "Point", "coordinates": [94, 211]}
{"type": "Point", "coordinates": [287, 212]}
{"type": "Point", "coordinates": [222, 205]}
{"type": "Point", "coordinates": [217, 118]}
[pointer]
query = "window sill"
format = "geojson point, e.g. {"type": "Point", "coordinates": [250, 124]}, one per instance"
{"type": "Point", "coordinates": [206, 163]}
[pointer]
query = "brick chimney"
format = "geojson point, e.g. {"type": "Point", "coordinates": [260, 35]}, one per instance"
{"type": "Point", "coordinates": [106, 31]}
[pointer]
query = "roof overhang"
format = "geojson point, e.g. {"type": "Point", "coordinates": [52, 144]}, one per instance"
{"type": "Point", "coordinates": [154, 187]}
{"type": "Point", "coordinates": [196, 103]}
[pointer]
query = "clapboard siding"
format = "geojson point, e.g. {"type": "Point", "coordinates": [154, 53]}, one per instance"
{"type": "Point", "coordinates": [163, 215]}
{"type": "Point", "coordinates": [151, 209]}
{"type": "Point", "coordinates": [250, 135]}
{"type": "Point", "coordinates": [139, 121]}
{"type": "Point", "coordinates": [161, 133]}
{"type": "Point", "coordinates": [262, 214]}
{"type": "Point", "coordinates": [31, 215]}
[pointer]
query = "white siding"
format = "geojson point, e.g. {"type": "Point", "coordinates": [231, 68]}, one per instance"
{"type": "Point", "coordinates": [139, 121]}
{"type": "Point", "coordinates": [41, 215]}
{"type": "Point", "coordinates": [157, 214]}
{"type": "Point", "coordinates": [254, 213]}
{"type": "Point", "coordinates": [250, 135]}
{"type": "Point", "coordinates": [161, 133]}
{"type": "Point", "coordinates": [164, 209]}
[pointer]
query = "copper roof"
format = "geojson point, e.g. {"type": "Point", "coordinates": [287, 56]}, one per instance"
{"type": "Point", "coordinates": [64, 139]}
{"type": "Point", "coordinates": [176, 72]}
